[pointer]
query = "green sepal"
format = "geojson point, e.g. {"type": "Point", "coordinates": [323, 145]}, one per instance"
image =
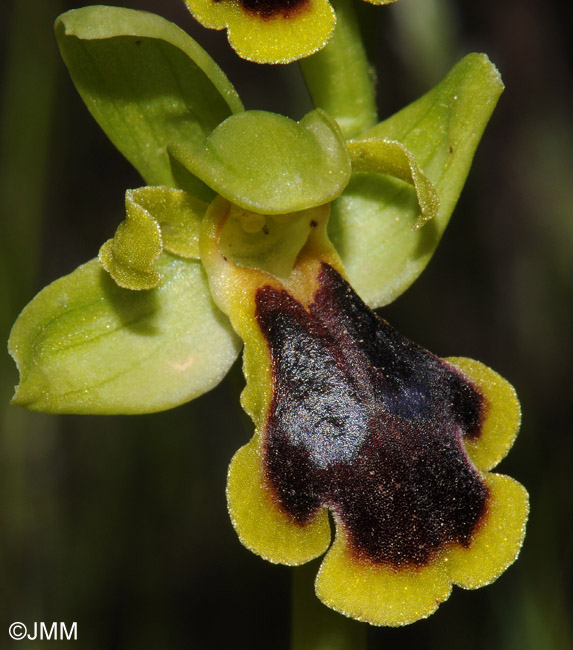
{"type": "Point", "coordinates": [371, 224]}
{"type": "Point", "coordinates": [271, 164]}
{"type": "Point", "coordinates": [392, 158]}
{"type": "Point", "coordinates": [85, 345]}
{"type": "Point", "coordinates": [157, 218]}
{"type": "Point", "coordinates": [145, 81]}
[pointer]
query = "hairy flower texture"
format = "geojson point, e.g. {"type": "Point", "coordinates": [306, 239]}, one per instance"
{"type": "Point", "coordinates": [271, 31]}
{"type": "Point", "coordinates": [352, 417]}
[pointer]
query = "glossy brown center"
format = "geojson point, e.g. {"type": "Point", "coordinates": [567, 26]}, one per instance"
{"type": "Point", "coordinates": [371, 425]}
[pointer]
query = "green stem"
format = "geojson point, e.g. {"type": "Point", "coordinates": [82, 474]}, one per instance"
{"type": "Point", "coordinates": [316, 627]}
{"type": "Point", "coordinates": [339, 77]}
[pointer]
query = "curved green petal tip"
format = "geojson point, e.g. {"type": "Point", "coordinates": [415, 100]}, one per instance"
{"type": "Point", "coordinates": [131, 255]}
{"type": "Point", "coordinates": [377, 155]}
{"type": "Point", "coordinates": [371, 223]}
{"type": "Point", "coordinates": [271, 164]}
{"type": "Point", "coordinates": [85, 345]}
{"type": "Point", "coordinates": [178, 215]}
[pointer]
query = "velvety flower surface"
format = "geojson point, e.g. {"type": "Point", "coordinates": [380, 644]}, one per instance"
{"type": "Point", "coordinates": [281, 235]}
{"type": "Point", "coordinates": [271, 31]}
{"type": "Point", "coordinates": [352, 417]}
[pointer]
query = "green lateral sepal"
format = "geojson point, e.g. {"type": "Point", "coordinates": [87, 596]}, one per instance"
{"type": "Point", "coordinates": [84, 345]}
{"type": "Point", "coordinates": [371, 223]}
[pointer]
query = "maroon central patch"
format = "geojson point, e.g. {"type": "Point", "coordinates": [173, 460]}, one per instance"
{"type": "Point", "coordinates": [368, 423]}
{"type": "Point", "coordinates": [272, 8]}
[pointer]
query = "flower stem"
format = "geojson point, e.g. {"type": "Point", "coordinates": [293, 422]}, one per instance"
{"type": "Point", "coordinates": [339, 77]}
{"type": "Point", "coordinates": [316, 627]}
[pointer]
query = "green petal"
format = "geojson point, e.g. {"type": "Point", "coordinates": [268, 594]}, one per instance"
{"type": "Point", "coordinates": [178, 215]}
{"type": "Point", "coordinates": [157, 218]}
{"type": "Point", "coordinates": [145, 81]}
{"type": "Point", "coordinates": [131, 255]}
{"type": "Point", "coordinates": [371, 224]}
{"type": "Point", "coordinates": [84, 345]}
{"type": "Point", "coordinates": [271, 164]}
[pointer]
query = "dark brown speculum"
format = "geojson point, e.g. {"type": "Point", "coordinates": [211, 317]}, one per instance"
{"type": "Point", "coordinates": [272, 8]}
{"type": "Point", "coordinates": [369, 424]}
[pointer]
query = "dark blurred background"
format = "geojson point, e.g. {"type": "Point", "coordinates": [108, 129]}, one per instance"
{"type": "Point", "coordinates": [120, 523]}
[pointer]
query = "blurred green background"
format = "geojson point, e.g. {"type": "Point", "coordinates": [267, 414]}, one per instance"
{"type": "Point", "coordinates": [120, 523]}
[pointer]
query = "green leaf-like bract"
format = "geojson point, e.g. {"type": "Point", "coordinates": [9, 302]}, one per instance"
{"type": "Point", "coordinates": [84, 345]}
{"type": "Point", "coordinates": [371, 224]}
{"type": "Point", "coordinates": [145, 81]}
{"type": "Point", "coordinates": [271, 164]}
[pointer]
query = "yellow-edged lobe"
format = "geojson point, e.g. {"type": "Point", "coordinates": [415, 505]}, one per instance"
{"type": "Point", "coordinates": [498, 540]}
{"type": "Point", "coordinates": [131, 255]}
{"type": "Point", "coordinates": [212, 15]}
{"type": "Point", "coordinates": [260, 523]}
{"type": "Point", "coordinates": [382, 595]}
{"type": "Point", "coordinates": [368, 591]}
{"type": "Point", "coordinates": [502, 417]}
{"type": "Point", "coordinates": [258, 519]}
{"type": "Point", "coordinates": [233, 288]}
{"type": "Point", "coordinates": [378, 594]}
{"type": "Point", "coordinates": [269, 39]}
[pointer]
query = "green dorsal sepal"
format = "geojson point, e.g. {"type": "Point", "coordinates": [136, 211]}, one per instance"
{"type": "Point", "coordinates": [145, 81]}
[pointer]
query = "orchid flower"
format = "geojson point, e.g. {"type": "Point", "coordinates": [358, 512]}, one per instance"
{"type": "Point", "coordinates": [278, 236]}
